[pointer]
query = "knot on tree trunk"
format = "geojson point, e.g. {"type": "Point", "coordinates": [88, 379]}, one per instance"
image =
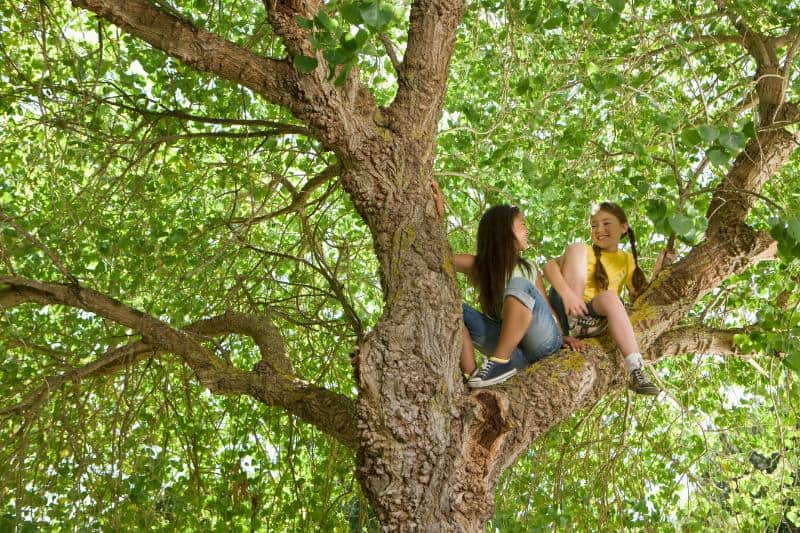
{"type": "Point", "coordinates": [493, 420]}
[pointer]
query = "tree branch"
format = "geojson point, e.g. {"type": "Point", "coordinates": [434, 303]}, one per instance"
{"type": "Point", "coordinates": [39, 244]}
{"type": "Point", "coordinates": [311, 98]}
{"type": "Point", "coordinates": [762, 157]}
{"type": "Point", "coordinates": [760, 47]}
{"type": "Point", "coordinates": [273, 381]}
{"type": "Point", "coordinates": [505, 419]}
{"type": "Point", "coordinates": [300, 197]}
{"type": "Point", "coordinates": [387, 44]}
{"type": "Point", "coordinates": [694, 339]}
{"type": "Point", "coordinates": [198, 48]}
{"type": "Point", "coordinates": [422, 77]}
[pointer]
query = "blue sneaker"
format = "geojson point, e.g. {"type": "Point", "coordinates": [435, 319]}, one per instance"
{"type": "Point", "coordinates": [494, 371]}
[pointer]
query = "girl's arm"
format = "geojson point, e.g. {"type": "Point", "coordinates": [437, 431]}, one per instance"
{"type": "Point", "coordinates": [665, 258]}
{"type": "Point", "coordinates": [540, 286]}
{"type": "Point", "coordinates": [464, 263]}
{"type": "Point", "coordinates": [573, 304]}
{"type": "Point", "coordinates": [570, 342]}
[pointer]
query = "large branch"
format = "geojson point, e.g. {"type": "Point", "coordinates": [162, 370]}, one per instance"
{"type": "Point", "coordinates": [273, 381]}
{"type": "Point", "coordinates": [505, 419]}
{"type": "Point", "coordinates": [310, 97]}
{"type": "Point", "coordinates": [198, 48]}
{"type": "Point", "coordinates": [694, 339]}
{"type": "Point", "coordinates": [423, 73]}
{"type": "Point", "coordinates": [762, 48]}
{"type": "Point", "coordinates": [761, 159]}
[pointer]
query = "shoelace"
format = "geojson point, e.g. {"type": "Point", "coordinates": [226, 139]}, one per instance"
{"type": "Point", "coordinates": [485, 370]}
{"type": "Point", "coordinates": [589, 321]}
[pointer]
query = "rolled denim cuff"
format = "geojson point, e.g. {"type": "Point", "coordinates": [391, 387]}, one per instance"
{"type": "Point", "coordinates": [521, 289]}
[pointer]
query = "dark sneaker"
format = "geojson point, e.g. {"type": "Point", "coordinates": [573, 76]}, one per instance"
{"type": "Point", "coordinates": [587, 326]}
{"type": "Point", "coordinates": [466, 377]}
{"type": "Point", "coordinates": [640, 384]}
{"type": "Point", "coordinates": [494, 371]}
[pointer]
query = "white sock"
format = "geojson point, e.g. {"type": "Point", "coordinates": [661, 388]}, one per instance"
{"type": "Point", "coordinates": [633, 361]}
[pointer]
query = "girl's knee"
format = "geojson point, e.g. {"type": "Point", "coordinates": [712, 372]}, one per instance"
{"type": "Point", "coordinates": [576, 248]}
{"type": "Point", "coordinates": [607, 302]}
{"type": "Point", "coordinates": [575, 253]}
{"type": "Point", "coordinates": [608, 297]}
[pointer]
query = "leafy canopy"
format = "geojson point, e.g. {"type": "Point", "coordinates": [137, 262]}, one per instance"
{"type": "Point", "coordinates": [167, 189]}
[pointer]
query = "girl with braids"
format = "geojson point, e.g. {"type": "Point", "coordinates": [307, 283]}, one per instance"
{"type": "Point", "coordinates": [587, 282]}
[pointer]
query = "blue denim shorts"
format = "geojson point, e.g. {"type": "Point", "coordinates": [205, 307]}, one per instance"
{"type": "Point", "coordinates": [540, 340]}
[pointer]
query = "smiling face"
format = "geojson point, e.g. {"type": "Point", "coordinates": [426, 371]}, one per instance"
{"type": "Point", "coordinates": [607, 231]}
{"type": "Point", "coordinates": [520, 232]}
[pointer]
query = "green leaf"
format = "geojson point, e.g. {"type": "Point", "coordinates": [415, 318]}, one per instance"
{"type": "Point", "coordinates": [608, 22]}
{"type": "Point", "coordinates": [370, 13]}
{"type": "Point", "coordinates": [349, 43]}
{"type": "Point", "coordinates": [667, 122]}
{"type": "Point", "coordinates": [681, 224]}
{"type": "Point", "coordinates": [362, 37]}
{"type": "Point", "coordinates": [792, 361]}
{"type": "Point", "coordinates": [322, 20]}
{"type": "Point", "coordinates": [718, 157]}
{"type": "Point", "coordinates": [793, 227]}
{"type": "Point", "coordinates": [708, 132]}
{"type": "Point", "coordinates": [342, 77]}
{"type": "Point", "coordinates": [690, 137]}
{"type": "Point", "coordinates": [305, 64]}
{"type": "Point", "coordinates": [523, 86]}
{"type": "Point", "coordinates": [733, 141]}
{"type": "Point", "coordinates": [304, 22]}
{"type": "Point", "coordinates": [749, 130]}
{"type": "Point", "coordinates": [554, 21]}
{"type": "Point", "coordinates": [351, 13]}
{"type": "Point", "coordinates": [617, 5]}
{"type": "Point", "coordinates": [337, 56]}
{"type": "Point", "coordinates": [656, 209]}
{"type": "Point", "coordinates": [387, 14]}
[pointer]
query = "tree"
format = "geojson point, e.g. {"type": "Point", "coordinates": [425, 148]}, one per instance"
{"type": "Point", "coordinates": [208, 194]}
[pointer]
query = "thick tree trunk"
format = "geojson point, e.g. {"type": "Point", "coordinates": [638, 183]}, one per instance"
{"type": "Point", "coordinates": [411, 397]}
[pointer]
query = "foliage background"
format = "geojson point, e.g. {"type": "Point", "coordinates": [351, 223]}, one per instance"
{"type": "Point", "coordinates": [166, 188]}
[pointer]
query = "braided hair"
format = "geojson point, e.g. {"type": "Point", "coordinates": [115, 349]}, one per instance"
{"type": "Point", "coordinates": [600, 275]}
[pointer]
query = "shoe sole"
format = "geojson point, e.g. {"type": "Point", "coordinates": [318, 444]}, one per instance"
{"type": "Point", "coordinates": [477, 384]}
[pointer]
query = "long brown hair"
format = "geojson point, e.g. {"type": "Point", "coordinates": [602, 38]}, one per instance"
{"type": "Point", "coordinates": [496, 257]}
{"type": "Point", "coordinates": [600, 275]}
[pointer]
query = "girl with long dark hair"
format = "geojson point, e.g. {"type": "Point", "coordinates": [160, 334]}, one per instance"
{"type": "Point", "coordinates": [517, 326]}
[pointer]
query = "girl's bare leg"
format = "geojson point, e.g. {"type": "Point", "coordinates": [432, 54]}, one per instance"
{"type": "Point", "coordinates": [573, 267]}
{"type": "Point", "coordinates": [608, 304]}
{"type": "Point", "coordinates": [467, 353]}
{"type": "Point", "coordinates": [516, 319]}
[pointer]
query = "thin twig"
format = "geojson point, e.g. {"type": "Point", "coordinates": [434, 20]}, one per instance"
{"type": "Point", "coordinates": [387, 43]}
{"type": "Point", "coordinates": [50, 253]}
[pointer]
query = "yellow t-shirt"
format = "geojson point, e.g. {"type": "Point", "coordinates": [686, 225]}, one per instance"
{"type": "Point", "coordinates": [619, 267]}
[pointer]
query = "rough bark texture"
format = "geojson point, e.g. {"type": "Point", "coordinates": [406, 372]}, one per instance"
{"type": "Point", "coordinates": [429, 452]}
